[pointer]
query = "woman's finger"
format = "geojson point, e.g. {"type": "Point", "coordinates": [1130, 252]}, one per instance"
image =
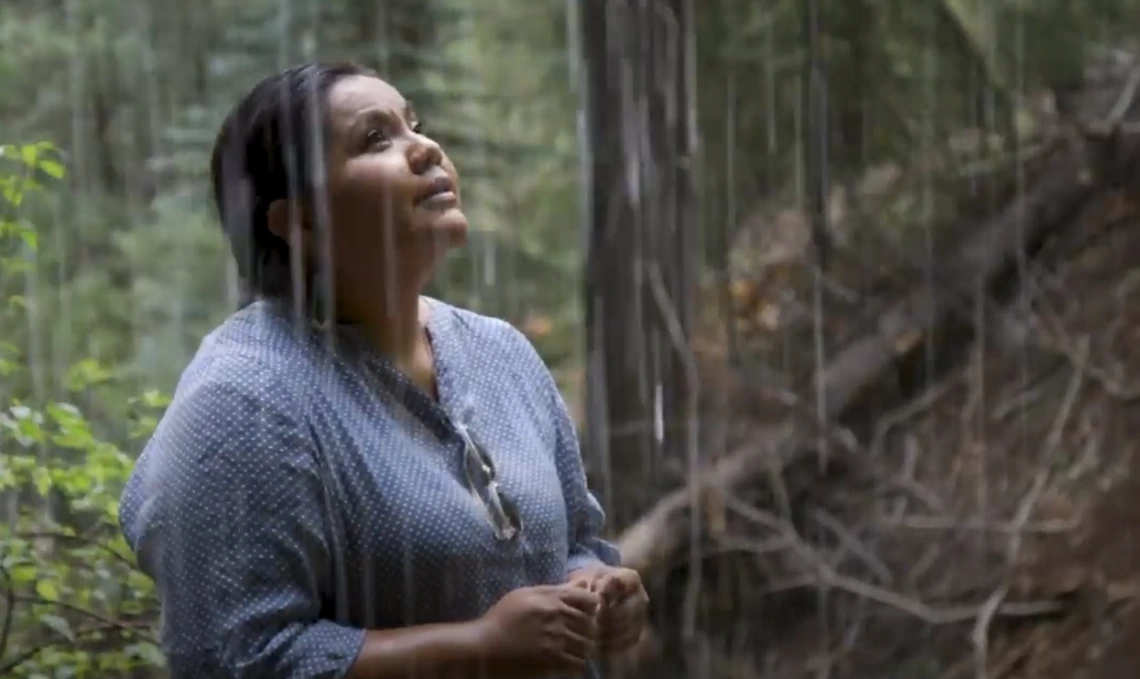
{"type": "Point", "coordinates": [626, 607]}
{"type": "Point", "coordinates": [621, 638]}
{"type": "Point", "coordinates": [609, 588]}
{"type": "Point", "coordinates": [578, 646]}
{"type": "Point", "coordinates": [581, 599]}
{"type": "Point", "coordinates": [580, 623]}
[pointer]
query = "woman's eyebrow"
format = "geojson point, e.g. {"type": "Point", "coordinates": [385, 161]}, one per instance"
{"type": "Point", "coordinates": [371, 115]}
{"type": "Point", "coordinates": [379, 115]}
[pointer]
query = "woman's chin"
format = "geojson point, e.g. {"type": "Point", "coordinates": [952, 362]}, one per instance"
{"type": "Point", "coordinates": [448, 229]}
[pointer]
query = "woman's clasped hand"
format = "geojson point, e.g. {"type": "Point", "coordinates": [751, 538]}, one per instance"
{"type": "Point", "coordinates": [535, 631]}
{"type": "Point", "coordinates": [555, 629]}
{"type": "Point", "coordinates": [623, 608]}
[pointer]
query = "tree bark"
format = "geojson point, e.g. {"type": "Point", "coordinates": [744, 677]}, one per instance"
{"type": "Point", "coordinates": [640, 195]}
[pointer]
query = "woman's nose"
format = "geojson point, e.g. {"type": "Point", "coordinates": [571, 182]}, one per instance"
{"type": "Point", "coordinates": [424, 154]}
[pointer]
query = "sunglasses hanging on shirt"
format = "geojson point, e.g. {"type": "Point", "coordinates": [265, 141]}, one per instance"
{"type": "Point", "coordinates": [483, 482]}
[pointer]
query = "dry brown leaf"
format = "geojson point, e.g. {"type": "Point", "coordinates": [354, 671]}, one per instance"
{"type": "Point", "coordinates": [907, 340]}
{"type": "Point", "coordinates": [770, 315]}
{"type": "Point", "coordinates": [1065, 580]}
{"type": "Point", "coordinates": [1056, 507]}
{"type": "Point", "coordinates": [1122, 589]}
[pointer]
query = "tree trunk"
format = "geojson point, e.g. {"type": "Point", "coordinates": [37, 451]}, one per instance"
{"type": "Point", "coordinates": [640, 145]}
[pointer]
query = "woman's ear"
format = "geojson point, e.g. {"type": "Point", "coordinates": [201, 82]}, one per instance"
{"type": "Point", "coordinates": [288, 222]}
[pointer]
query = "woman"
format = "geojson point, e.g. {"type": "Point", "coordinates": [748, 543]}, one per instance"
{"type": "Point", "coordinates": [354, 480]}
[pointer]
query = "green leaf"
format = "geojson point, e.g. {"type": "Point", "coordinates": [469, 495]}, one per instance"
{"type": "Point", "coordinates": [23, 573]}
{"type": "Point", "coordinates": [59, 625]}
{"type": "Point", "coordinates": [155, 399]}
{"type": "Point", "coordinates": [12, 189]}
{"type": "Point", "coordinates": [30, 153]}
{"type": "Point", "coordinates": [30, 238]}
{"type": "Point", "coordinates": [47, 590]}
{"type": "Point", "coordinates": [41, 478]}
{"type": "Point", "coordinates": [52, 168]}
{"type": "Point", "coordinates": [86, 373]}
{"type": "Point", "coordinates": [147, 652]}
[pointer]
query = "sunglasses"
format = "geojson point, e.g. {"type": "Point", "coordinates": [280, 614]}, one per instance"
{"type": "Point", "coordinates": [482, 479]}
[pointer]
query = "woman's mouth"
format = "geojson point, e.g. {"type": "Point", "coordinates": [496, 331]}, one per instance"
{"type": "Point", "coordinates": [440, 193]}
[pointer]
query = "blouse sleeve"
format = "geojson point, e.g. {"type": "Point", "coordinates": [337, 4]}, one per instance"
{"type": "Point", "coordinates": [583, 511]}
{"type": "Point", "coordinates": [224, 511]}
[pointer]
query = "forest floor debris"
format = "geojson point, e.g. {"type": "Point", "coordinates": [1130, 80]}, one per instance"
{"type": "Point", "coordinates": [986, 531]}
{"type": "Point", "coordinates": [981, 527]}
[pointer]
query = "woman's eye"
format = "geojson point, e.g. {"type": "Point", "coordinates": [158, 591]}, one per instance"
{"type": "Point", "coordinates": [374, 137]}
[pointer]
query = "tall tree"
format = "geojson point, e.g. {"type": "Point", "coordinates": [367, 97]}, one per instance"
{"type": "Point", "coordinates": [640, 150]}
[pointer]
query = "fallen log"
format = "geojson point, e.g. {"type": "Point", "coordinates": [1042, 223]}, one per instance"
{"type": "Point", "coordinates": [1083, 167]}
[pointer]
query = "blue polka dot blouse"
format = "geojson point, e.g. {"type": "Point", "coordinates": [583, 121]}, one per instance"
{"type": "Point", "coordinates": [300, 490]}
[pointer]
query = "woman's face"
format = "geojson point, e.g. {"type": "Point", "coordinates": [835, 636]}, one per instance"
{"type": "Point", "coordinates": [393, 194]}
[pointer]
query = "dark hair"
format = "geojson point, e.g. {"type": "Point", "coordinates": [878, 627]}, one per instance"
{"type": "Point", "coordinates": [266, 150]}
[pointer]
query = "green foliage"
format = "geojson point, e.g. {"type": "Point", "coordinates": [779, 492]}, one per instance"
{"type": "Point", "coordinates": [904, 77]}
{"type": "Point", "coordinates": [72, 602]}
{"type": "Point", "coordinates": [76, 604]}
{"type": "Point", "coordinates": [29, 163]}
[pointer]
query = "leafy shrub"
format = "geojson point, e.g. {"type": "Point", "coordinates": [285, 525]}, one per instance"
{"type": "Point", "coordinates": [73, 603]}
